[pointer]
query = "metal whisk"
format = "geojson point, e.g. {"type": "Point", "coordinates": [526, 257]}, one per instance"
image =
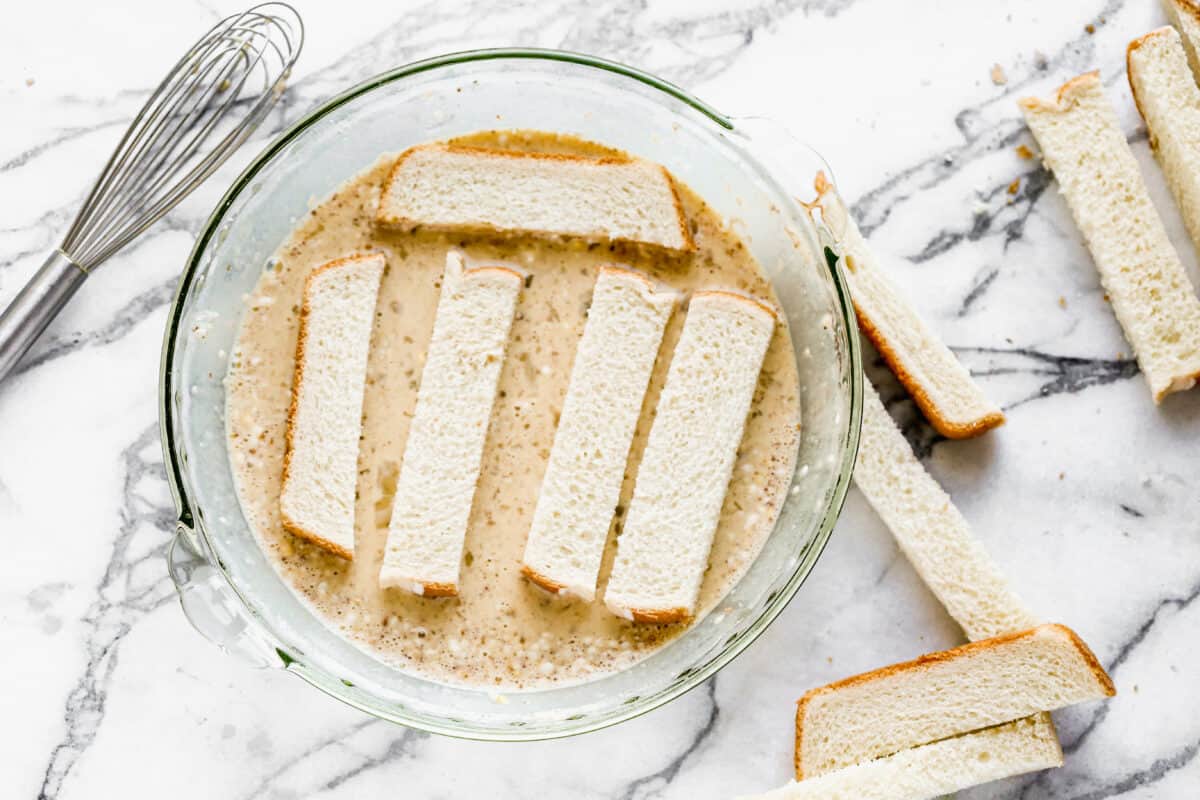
{"type": "Point", "coordinates": [209, 103]}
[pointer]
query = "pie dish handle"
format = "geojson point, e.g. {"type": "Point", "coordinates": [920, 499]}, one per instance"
{"type": "Point", "coordinates": [793, 164]}
{"type": "Point", "coordinates": [211, 605]}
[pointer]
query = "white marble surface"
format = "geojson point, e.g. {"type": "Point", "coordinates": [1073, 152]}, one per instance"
{"type": "Point", "coordinates": [1089, 497]}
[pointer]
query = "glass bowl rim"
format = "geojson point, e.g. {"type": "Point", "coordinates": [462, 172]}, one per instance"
{"type": "Point", "coordinates": [198, 535]}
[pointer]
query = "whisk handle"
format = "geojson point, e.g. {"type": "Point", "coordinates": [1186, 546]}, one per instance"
{"type": "Point", "coordinates": [39, 302]}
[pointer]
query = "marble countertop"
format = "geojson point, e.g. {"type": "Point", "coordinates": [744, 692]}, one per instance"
{"type": "Point", "coordinates": [1089, 497]}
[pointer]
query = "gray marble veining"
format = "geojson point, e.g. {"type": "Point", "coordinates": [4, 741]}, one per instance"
{"type": "Point", "coordinates": [1088, 497]}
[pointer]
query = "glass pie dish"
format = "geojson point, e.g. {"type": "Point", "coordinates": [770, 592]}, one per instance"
{"type": "Point", "coordinates": [748, 170]}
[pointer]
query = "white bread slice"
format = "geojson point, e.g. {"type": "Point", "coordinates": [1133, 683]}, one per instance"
{"type": "Point", "coordinates": [939, 768]}
{"type": "Point", "coordinates": [582, 484]}
{"type": "Point", "coordinates": [320, 464]}
{"type": "Point", "coordinates": [447, 187]}
{"type": "Point", "coordinates": [934, 536]}
{"type": "Point", "coordinates": [930, 530]}
{"type": "Point", "coordinates": [662, 552]}
{"type": "Point", "coordinates": [1169, 101]}
{"type": "Point", "coordinates": [444, 451]}
{"type": "Point", "coordinates": [1154, 301]}
{"type": "Point", "coordinates": [1185, 15]}
{"type": "Point", "coordinates": [945, 694]}
{"type": "Point", "coordinates": [939, 384]}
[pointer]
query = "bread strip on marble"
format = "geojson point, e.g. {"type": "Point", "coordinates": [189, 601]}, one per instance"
{"type": "Point", "coordinates": [933, 535]}
{"type": "Point", "coordinates": [931, 531]}
{"type": "Point", "coordinates": [1154, 301]}
{"type": "Point", "coordinates": [452, 187]}
{"type": "Point", "coordinates": [938, 768]}
{"type": "Point", "coordinates": [945, 694]}
{"type": "Point", "coordinates": [1185, 15]}
{"type": "Point", "coordinates": [662, 553]}
{"type": "Point", "coordinates": [444, 451]}
{"type": "Point", "coordinates": [582, 483]}
{"type": "Point", "coordinates": [939, 384]}
{"type": "Point", "coordinates": [1169, 101]}
{"type": "Point", "coordinates": [320, 463]}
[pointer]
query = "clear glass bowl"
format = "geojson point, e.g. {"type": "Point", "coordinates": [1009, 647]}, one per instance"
{"type": "Point", "coordinates": [748, 170]}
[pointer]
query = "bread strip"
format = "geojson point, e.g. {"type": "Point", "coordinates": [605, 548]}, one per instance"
{"type": "Point", "coordinates": [939, 384]}
{"type": "Point", "coordinates": [320, 464]}
{"type": "Point", "coordinates": [1169, 101]}
{"type": "Point", "coordinates": [449, 187]}
{"type": "Point", "coordinates": [1153, 299]}
{"type": "Point", "coordinates": [945, 694]}
{"type": "Point", "coordinates": [939, 768]}
{"type": "Point", "coordinates": [931, 531]}
{"type": "Point", "coordinates": [582, 484]}
{"type": "Point", "coordinates": [1185, 15]}
{"type": "Point", "coordinates": [444, 450]}
{"type": "Point", "coordinates": [933, 534]}
{"type": "Point", "coordinates": [685, 470]}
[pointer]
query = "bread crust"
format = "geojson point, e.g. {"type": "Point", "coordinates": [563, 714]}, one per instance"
{"type": "Point", "coordinates": [923, 662]}
{"type": "Point", "coordinates": [1137, 44]}
{"type": "Point", "coordinates": [421, 588]}
{"type": "Point", "coordinates": [439, 590]}
{"type": "Point", "coordinates": [1190, 7]}
{"type": "Point", "coordinates": [751, 300]}
{"type": "Point", "coordinates": [1065, 96]}
{"type": "Point", "coordinates": [542, 581]}
{"type": "Point", "coordinates": [387, 220]}
{"type": "Point", "coordinates": [289, 524]}
{"type": "Point", "coordinates": [665, 616]}
{"type": "Point", "coordinates": [940, 423]}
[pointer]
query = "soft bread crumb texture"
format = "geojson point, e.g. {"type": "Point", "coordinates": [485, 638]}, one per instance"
{"type": "Point", "coordinates": [1156, 304]}
{"type": "Point", "coordinates": [582, 483]}
{"type": "Point", "coordinates": [938, 382]}
{"type": "Point", "coordinates": [1185, 16]}
{"type": "Point", "coordinates": [663, 549]}
{"type": "Point", "coordinates": [945, 694]}
{"type": "Point", "coordinates": [931, 531]}
{"type": "Point", "coordinates": [1169, 101]}
{"type": "Point", "coordinates": [455, 186]}
{"type": "Point", "coordinates": [316, 501]}
{"type": "Point", "coordinates": [938, 768]}
{"type": "Point", "coordinates": [444, 450]}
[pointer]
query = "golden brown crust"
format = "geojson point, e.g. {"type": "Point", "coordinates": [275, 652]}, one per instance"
{"type": "Point", "coordinates": [290, 525]}
{"type": "Point", "coordinates": [1064, 98]}
{"type": "Point", "coordinates": [944, 426]}
{"type": "Point", "coordinates": [295, 529]}
{"type": "Point", "coordinates": [652, 287]}
{"type": "Point", "coordinates": [685, 232]}
{"type": "Point", "coordinates": [541, 580]}
{"type": "Point", "coordinates": [1189, 7]}
{"type": "Point", "coordinates": [388, 220]}
{"type": "Point", "coordinates": [928, 659]}
{"type": "Point", "coordinates": [1136, 44]}
{"type": "Point", "coordinates": [751, 300]}
{"type": "Point", "coordinates": [501, 268]}
{"type": "Point", "coordinates": [439, 590]}
{"type": "Point", "coordinates": [417, 587]}
{"type": "Point", "coordinates": [664, 616]}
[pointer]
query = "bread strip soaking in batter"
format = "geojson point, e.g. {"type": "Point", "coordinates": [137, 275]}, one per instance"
{"type": "Point", "coordinates": [324, 422]}
{"type": "Point", "coordinates": [582, 484]}
{"type": "Point", "coordinates": [445, 442]}
{"type": "Point", "coordinates": [685, 470]}
{"type": "Point", "coordinates": [501, 631]}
